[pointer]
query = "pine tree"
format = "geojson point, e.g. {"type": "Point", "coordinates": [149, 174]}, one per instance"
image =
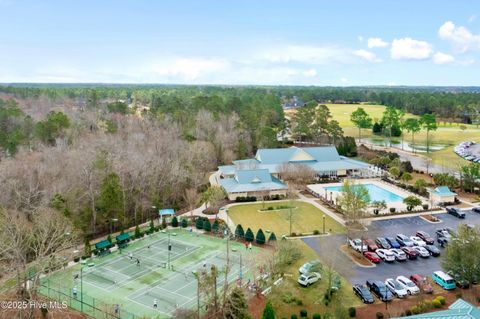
{"type": "Point", "coordinates": [199, 223]}
{"type": "Point", "coordinates": [239, 232]}
{"type": "Point", "coordinates": [137, 232]}
{"type": "Point", "coordinates": [272, 237]}
{"type": "Point", "coordinates": [249, 235]}
{"type": "Point", "coordinates": [206, 225]}
{"type": "Point", "coordinates": [268, 312]}
{"type": "Point", "coordinates": [184, 222]}
{"type": "Point", "coordinates": [152, 226]}
{"type": "Point", "coordinates": [215, 226]}
{"type": "Point", "coordinates": [164, 223]}
{"type": "Point", "coordinates": [174, 221]}
{"type": "Point", "coordinates": [88, 248]}
{"type": "Point", "coordinates": [236, 306]}
{"type": "Point", "coordinates": [260, 237]}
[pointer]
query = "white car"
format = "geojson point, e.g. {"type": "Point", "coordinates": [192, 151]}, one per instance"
{"type": "Point", "coordinates": [385, 254]}
{"type": "Point", "coordinates": [409, 286]}
{"type": "Point", "coordinates": [311, 266]}
{"type": "Point", "coordinates": [417, 241]}
{"type": "Point", "coordinates": [357, 245]}
{"type": "Point", "coordinates": [399, 254]}
{"type": "Point", "coordinates": [396, 289]}
{"type": "Point", "coordinates": [308, 279]}
{"type": "Point", "coordinates": [422, 252]}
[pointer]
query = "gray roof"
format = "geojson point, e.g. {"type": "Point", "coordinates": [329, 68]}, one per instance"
{"type": "Point", "coordinates": [251, 181]}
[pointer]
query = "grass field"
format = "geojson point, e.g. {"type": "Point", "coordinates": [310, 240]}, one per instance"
{"type": "Point", "coordinates": [306, 218]}
{"type": "Point", "coordinates": [446, 134]}
{"type": "Point", "coordinates": [117, 279]}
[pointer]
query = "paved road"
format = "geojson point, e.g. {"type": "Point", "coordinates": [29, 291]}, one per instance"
{"type": "Point", "coordinates": [328, 248]}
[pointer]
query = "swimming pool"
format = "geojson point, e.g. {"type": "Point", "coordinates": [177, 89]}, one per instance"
{"type": "Point", "coordinates": [376, 193]}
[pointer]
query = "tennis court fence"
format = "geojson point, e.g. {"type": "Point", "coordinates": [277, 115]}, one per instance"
{"type": "Point", "coordinates": [87, 305]}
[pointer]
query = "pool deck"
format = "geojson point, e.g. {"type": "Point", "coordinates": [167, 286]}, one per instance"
{"type": "Point", "coordinates": [321, 191]}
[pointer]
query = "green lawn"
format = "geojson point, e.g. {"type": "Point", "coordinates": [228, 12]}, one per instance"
{"type": "Point", "coordinates": [306, 218]}
{"type": "Point", "coordinates": [447, 134]}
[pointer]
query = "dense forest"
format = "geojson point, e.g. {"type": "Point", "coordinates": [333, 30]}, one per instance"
{"type": "Point", "coordinates": [98, 152]}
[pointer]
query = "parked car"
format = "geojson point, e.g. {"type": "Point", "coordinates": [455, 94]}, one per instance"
{"type": "Point", "coordinates": [476, 209]}
{"type": "Point", "coordinates": [382, 243]}
{"type": "Point", "coordinates": [443, 241]}
{"type": "Point", "coordinates": [417, 241]}
{"type": "Point", "coordinates": [371, 246]}
{"type": "Point", "coordinates": [455, 212]}
{"type": "Point", "coordinates": [425, 237]}
{"type": "Point", "coordinates": [399, 254]}
{"type": "Point", "coordinates": [393, 242]}
{"type": "Point", "coordinates": [373, 257]}
{"type": "Point", "coordinates": [422, 252]}
{"type": "Point", "coordinates": [363, 293]}
{"type": "Point", "coordinates": [357, 245]}
{"type": "Point", "coordinates": [411, 288]}
{"type": "Point", "coordinates": [433, 250]}
{"type": "Point", "coordinates": [410, 252]}
{"type": "Point", "coordinates": [396, 289]}
{"type": "Point", "coordinates": [444, 280]}
{"type": "Point", "coordinates": [311, 266]}
{"type": "Point", "coordinates": [380, 290]}
{"type": "Point", "coordinates": [309, 278]}
{"type": "Point", "coordinates": [459, 281]}
{"type": "Point", "coordinates": [443, 232]}
{"type": "Point", "coordinates": [385, 254]}
{"type": "Point", "coordinates": [422, 283]}
{"type": "Point", "coordinates": [404, 240]}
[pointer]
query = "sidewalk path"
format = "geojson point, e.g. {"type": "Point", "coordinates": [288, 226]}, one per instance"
{"type": "Point", "coordinates": [324, 209]}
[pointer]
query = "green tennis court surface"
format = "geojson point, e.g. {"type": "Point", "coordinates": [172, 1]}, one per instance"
{"type": "Point", "coordinates": [143, 274]}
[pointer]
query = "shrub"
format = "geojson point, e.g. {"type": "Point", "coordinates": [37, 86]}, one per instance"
{"type": "Point", "coordinates": [268, 312]}
{"type": "Point", "coordinates": [379, 315]}
{"type": "Point", "coordinates": [249, 235]}
{"type": "Point", "coordinates": [272, 237]}
{"type": "Point", "coordinates": [199, 223]}
{"type": "Point", "coordinates": [152, 226]}
{"type": "Point", "coordinates": [425, 206]}
{"type": "Point", "coordinates": [436, 303]}
{"type": "Point", "coordinates": [441, 299]}
{"type": "Point", "coordinates": [299, 302]}
{"type": "Point", "coordinates": [408, 312]}
{"type": "Point", "coordinates": [137, 232]}
{"type": "Point", "coordinates": [239, 231]}
{"type": "Point", "coordinates": [174, 221]}
{"type": "Point", "coordinates": [316, 232]}
{"type": "Point", "coordinates": [415, 310]}
{"type": "Point", "coordinates": [392, 209]}
{"type": "Point", "coordinates": [184, 223]}
{"type": "Point", "coordinates": [303, 313]}
{"type": "Point", "coordinates": [316, 316]}
{"type": "Point", "coordinates": [215, 226]}
{"type": "Point", "coordinates": [293, 316]}
{"type": "Point", "coordinates": [76, 259]}
{"type": "Point", "coordinates": [260, 238]}
{"type": "Point", "coordinates": [206, 225]}
{"type": "Point", "coordinates": [164, 223]}
{"type": "Point", "coordinates": [352, 312]}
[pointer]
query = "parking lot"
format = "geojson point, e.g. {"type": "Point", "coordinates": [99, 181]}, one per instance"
{"type": "Point", "coordinates": [328, 248]}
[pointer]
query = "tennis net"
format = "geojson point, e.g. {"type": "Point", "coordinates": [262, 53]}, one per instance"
{"type": "Point", "coordinates": [101, 278]}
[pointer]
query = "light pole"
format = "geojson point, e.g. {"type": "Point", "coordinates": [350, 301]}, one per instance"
{"type": "Point", "coordinates": [154, 208]}
{"type": "Point", "coordinates": [323, 223]}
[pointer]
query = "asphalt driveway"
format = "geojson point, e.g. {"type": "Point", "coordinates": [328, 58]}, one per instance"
{"type": "Point", "coordinates": [328, 248]}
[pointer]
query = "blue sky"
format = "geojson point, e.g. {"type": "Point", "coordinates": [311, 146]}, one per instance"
{"type": "Point", "coordinates": [337, 42]}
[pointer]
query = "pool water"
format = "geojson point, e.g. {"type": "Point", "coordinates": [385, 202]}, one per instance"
{"type": "Point", "coordinates": [376, 193]}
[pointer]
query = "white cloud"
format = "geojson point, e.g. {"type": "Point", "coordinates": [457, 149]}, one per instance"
{"type": "Point", "coordinates": [305, 54]}
{"type": "Point", "coordinates": [442, 58]}
{"type": "Point", "coordinates": [460, 36]}
{"type": "Point", "coordinates": [410, 49]}
{"type": "Point", "coordinates": [376, 43]}
{"type": "Point", "coordinates": [310, 72]}
{"type": "Point", "coordinates": [366, 55]}
{"type": "Point", "coordinates": [189, 68]}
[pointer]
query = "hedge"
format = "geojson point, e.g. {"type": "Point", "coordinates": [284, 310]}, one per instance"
{"type": "Point", "coordinates": [249, 235]}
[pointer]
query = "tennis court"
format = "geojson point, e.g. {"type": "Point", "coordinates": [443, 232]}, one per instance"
{"type": "Point", "coordinates": [148, 279]}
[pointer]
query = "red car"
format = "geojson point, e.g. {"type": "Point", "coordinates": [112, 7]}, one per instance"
{"type": "Point", "coordinates": [422, 283]}
{"type": "Point", "coordinates": [425, 237]}
{"type": "Point", "coordinates": [371, 244]}
{"type": "Point", "coordinates": [373, 257]}
{"type": "Point", "coordinates": [410, 252]}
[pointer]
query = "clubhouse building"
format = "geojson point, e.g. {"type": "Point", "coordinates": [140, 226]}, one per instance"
{"type": "Point", "coordinates": [261, 175]}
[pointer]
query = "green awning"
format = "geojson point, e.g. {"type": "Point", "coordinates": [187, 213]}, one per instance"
{"type": "Point", "coordinates": [103, 244]}
{"type": "Point", "coordinates": [122, 237]}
